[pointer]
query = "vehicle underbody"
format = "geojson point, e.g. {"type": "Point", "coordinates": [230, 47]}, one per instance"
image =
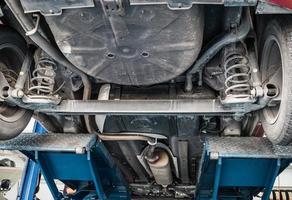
{"type": "Point", "coordinates": [150, 78]}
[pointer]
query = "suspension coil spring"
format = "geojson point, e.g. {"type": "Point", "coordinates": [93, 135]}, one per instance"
{"type": "Point", "coordinates": [237, 76]}
{"type": "Point", "coordinates": [43, 77]}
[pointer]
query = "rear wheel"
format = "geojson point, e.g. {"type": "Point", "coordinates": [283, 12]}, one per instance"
{"type": "Point", "coordinates": [276, 69]}
{"type": "Point", "coordinates": [12, 50]}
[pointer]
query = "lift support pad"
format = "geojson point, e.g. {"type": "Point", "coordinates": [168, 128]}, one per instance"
{"type": "Point", "coordinates": [74, 159]}
{"type": "Point", "coordinates": [240, 167]}
{"type": "Point", "coordinates": [230, 168]}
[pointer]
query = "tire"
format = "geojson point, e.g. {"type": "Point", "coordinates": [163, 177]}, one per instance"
{"type": "Point", "coordinates": [13, 120]}
{"type": "Point", "coordinates": [276, 68]}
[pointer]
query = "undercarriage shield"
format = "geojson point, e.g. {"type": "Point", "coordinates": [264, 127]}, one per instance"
{"type": "Point", "coordinates": [142, 45]}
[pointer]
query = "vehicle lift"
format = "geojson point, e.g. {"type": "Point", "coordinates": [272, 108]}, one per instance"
{"type": "Point", "coordinates": [231, 167]}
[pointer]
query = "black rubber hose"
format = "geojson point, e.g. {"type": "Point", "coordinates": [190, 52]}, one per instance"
{"type": "Point", "coordinates": [234, 36]}
{"type": "Point", "coordinates": [45, 45]}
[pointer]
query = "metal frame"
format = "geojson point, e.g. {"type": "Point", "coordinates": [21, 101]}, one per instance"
{"type": "Point", "coordinates": [186, 4]}
{"type": "Point", "coordinates": [49, 8]}
{"type": "Point", "coordinates": [30, 180]}
{"type": "Point", "coordinates": [57, 155]}
{"type": "Point", "coordinates": [120, 107]}
{"type": "Point", "coordinates": [249, 164]}
{"type": "Point", "coordinates": [31, 173]}
{"type": "Point", "coordinates": [145, 107]}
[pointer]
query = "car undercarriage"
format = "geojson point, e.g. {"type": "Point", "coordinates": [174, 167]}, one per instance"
{"type": "Point", "coordinates": [150, 78]}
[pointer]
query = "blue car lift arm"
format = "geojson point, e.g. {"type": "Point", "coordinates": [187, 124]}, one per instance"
{"type": "Point", "coordinates": [74, 159]}
{"type": "Point", "coordinates": [31, 173]}
{"type": "Point", "coordinates": [231, 168]}
{"type": "Point", "coordinates": [240, 167]}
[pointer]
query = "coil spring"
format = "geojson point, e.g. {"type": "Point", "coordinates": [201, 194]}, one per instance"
{"type": "Point", "coordinates": [237, 76]}
{"type": "Point", "coordinates": [43, 77]}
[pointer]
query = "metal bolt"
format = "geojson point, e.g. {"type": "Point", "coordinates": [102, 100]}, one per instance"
{"type": "Point", "coordinates": [17, 93]}
{"type": "Point", "coordinates": [80, 150]}
{"type": "Point", "coordinates": [253, 92]}
{"type": "Point", "coordinates": [214, 155]}
{"type": "Point", "coordinates": [20, 93]}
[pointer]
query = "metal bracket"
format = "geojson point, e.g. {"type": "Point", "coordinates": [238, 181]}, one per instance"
{"type": "Point", "coordinates": [35, 29]}
{"type": "Point", "coordinates": [5, 89]}
{"type": "Point", "coordinates": [113, 7]}
{"type": "Point", "coordinates": [114, 10]}
{"type": "Point", "coordinates": [187, 4]}
{"type": "Point", "coordinates": [48, 8]}
{"type": "Point", "coordinates": [175, 4]}
{"type": "Point", "coordinates": [240, 2]}
{"type": "Point", "coordinates": [41, 99]}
